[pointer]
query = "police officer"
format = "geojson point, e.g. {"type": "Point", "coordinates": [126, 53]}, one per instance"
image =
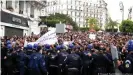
{"type": "Point", "coordinates": [29, 49]}
{"type": "Point", "coordinates": [62, 55]}
{"type": "Point", "coordinates": [22, 59]}
{"type": "Point", "coordinates": [37, 64]}
{"type": "Point", "coordinates": [100, 62]}
{"type": "Point", "coordinates": [87, 59]}
{"type": "Point", "coordinates": [53, 63]}
{"type": "Point", "coordinates": [127, 65]}
{"type": "Point", "coordinates": [10, 61]}
{"type": "Point", "coordinates": [3, 57]}
{"type": "Point", "coordinates": [70, 47]}
{"type": "Point", "coordinates": [73, 63]}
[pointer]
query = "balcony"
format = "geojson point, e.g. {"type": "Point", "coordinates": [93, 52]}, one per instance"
{"type": "Point", "coordinates": [10, 8]}
{"type": "Point", "coordinates": [39, 3]}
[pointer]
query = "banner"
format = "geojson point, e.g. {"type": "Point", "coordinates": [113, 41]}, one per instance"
{"type": "Point", "coordinates": [32, 43]}
{"type": "Point", "coordinates": [92, 36]}
{"type": "Point", "coordinates": [48, 38]}
{"type": "Point", "coordinates": [68, 42]}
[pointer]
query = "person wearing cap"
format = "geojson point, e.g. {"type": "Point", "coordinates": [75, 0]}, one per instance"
{"type": "Point", "coordinates": [37, 64]}
{"type": "Point", "coordinates": [127, 65]}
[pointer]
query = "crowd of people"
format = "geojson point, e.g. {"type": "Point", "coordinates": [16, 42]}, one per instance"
{"type": "Point", "coordinates": [83, 56]}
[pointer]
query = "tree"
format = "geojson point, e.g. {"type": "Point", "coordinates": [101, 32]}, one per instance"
{"type": "Point", "coordinates": [93, 23]}
{"type": "Point", "coordinates": [126, 26]}
{"type": "Point", "coordinates": [84, 29]}
{"type": "Point", "coordinates": [111, 25]}
{"type": "Point", "coordinates": [53, 19]}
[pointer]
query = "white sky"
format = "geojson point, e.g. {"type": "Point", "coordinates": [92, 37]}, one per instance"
{"type": "Point", "coordinates": [114, 8]}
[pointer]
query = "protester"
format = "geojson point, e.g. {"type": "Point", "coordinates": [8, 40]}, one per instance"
{"type": "Point", "coordinates": [81, 56]}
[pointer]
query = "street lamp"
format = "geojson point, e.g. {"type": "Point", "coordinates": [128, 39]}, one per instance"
{"type": "Point", "coordinates": [122, 10]}
{"type": "Point", "coordinates": [130, 11]}
{"type": "Point", "coordinates": [1, 4]}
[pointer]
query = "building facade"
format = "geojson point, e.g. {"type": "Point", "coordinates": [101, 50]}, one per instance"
{"type": "Point", "coordinates": [79, 10]}
{"type": "Point", "coordinates": [20, 17]}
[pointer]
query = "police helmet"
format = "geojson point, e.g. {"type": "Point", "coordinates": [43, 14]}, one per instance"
{"type": "Point", "coordinates": [47, 46]}
{"type": "Point", "coordinates": [8, 42]}
{"type": "Point", "coordinates": [29, 46]}
{"type": "Point", "coordinates": [90, 46]}
{"type": "Point", "coordinates": [38, 48]}
{"type": "Point", "coordinates": [58, 47]}
{"type": "Point", "coordinates": [35, 46]}
{"type": "Point", "coordinates": [130, 45]}
{"type": "Point", "coordinates": [62, 47]}
{"type": "Point", "coordinates": [71, 46]}
{"type": "Point", "coordinates": [9, 46]}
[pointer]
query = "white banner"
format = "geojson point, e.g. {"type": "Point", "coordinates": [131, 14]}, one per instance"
{"type": "Point", "coordinates": [92, 36]}
{"type": "Point", "coordinates": [68, 42]}
{"type": "Point", "coordinates": [48, 38]}
{"type": "Point", "coordinates": [32, 43]}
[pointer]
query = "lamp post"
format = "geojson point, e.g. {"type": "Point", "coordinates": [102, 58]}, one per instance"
{"type": "Point", "coordinates": [122, 10]}
{"type": "Point", "coordinates": [129, 14]}
{"type": "Point", "coordinates": [1, 4]}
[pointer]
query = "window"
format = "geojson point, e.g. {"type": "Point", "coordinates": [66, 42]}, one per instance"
{"type": "Point", "coordinates": [86, 4]}
{"type": "Point", "coordinates": [8, 4]}
{"type": "Point", "coordinates": [75, 13]}
{"type": "Point", "coordinates": [79, 8]}
{"type": "Point", "coordinates": [71, 13]}
{"type": "Point", "coordinates": [90, 4]}
{"type": "Point", "coordinates": [16, 3]}
{"type": "Point", "coordinates": [73, 19]}
{"type": "Point", "coordinates": [67, 12]}
{"type": "Point", "coordinates": [79, 3]}
{"type": "Point", "coordinates": [79, 14]}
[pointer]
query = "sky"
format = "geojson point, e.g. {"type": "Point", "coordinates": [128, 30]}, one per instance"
{"type": "Point", "coordinates": [114, 9]}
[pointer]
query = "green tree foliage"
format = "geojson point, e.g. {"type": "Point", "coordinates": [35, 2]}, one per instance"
{"type": "Point", "coordinates": [126, 26]}
{"type": "Point", "coordinates": [111, 25]}
{"type": "Point", "coordinates": [93, 23]}
{"type": "Point", "coordinates": [53, 19]}
{"type": "Point", "coordinates": [84, 29]}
